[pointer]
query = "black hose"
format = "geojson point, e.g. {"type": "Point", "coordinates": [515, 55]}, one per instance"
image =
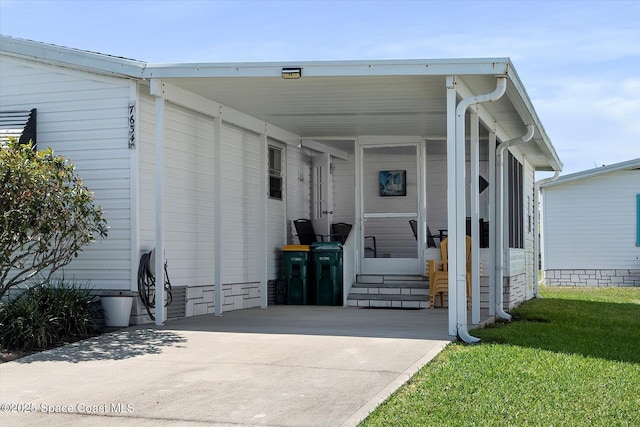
{"type": "Point", "coordinates": [147, 284]}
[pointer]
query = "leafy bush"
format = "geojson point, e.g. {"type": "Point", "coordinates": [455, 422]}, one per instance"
{"type": "Point", "coordinates": [47, 215]}
{"type": "Point", "coordinates": [48, 315]}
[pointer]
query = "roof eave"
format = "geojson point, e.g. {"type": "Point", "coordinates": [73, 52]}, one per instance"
{"type": "Point", "coordinates": [436, 67]}
{"type": "Point", "coordinates": [590, 173]}
{"type": "Point", "coordinates": [72, 58]}
{"type": "Point", "coordinates": [529, 116]}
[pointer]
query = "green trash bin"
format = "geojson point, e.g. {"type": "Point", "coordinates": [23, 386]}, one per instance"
{"type": "Point", "coordinates": [327, 266]}
{"type": "Point", "coordinates": [296, 265]}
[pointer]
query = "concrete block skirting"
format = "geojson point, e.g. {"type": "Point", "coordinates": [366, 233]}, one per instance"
{"type": "Point", "coordinates": [238, 296]}
{"type": "Point", "coordinates": [200, 300]}
{"type": "Point", "coordinates": [592, 277]}
{"type": "Point", "coordinates": [514, 292]}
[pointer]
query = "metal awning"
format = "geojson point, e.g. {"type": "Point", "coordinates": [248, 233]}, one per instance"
{"type": "Point", "coordinates": [19, 124]}
{"type": "Point", "coordinates": [343, 100]}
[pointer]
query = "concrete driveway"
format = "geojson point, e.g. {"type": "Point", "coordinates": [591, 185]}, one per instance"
{"type": "Point", "coordinates": [284, 366]}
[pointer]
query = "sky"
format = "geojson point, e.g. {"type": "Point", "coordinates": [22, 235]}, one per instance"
{"type": "Point", "coordinates": [579, 60]}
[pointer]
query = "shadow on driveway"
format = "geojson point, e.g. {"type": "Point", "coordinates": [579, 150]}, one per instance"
{"type": "Point", "coordinates": [117, 345]}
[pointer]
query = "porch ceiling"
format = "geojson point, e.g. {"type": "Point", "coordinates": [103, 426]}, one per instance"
{"type": "Point", "coordinates": [388, 98]}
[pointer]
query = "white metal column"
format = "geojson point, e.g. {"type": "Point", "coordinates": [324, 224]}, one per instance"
{"type": "Point", "coordinates": [217, 212]}
{"type": "Point", "coordinates": [422, 205]}
{"type": "Point", "coordinates": [451, 201]}
{"type": "Point", "coordinates": [492, 223]}
{"type": "Point", "coordinates": [134, 183]}
{"type": "Point", "coordinates": [156, 89]}
{"type": "Point", "coordinates": [264, 148]}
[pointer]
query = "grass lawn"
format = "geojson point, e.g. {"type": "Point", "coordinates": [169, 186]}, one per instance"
{"type": "Point", "coordinates": [572, 358]}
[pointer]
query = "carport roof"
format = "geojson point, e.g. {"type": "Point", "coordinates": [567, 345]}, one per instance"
{"type": "Point", "coordinates": [335, 99]}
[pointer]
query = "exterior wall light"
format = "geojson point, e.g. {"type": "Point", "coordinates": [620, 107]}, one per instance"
{"type": "Point", "coordinates": [291, 73]}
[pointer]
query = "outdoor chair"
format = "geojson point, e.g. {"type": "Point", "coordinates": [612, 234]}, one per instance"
{"type": "Point", "coordinates": [307, 235]}
{"type": "Point", "coordinates": [439, 274]}
{"type": "Point", "coordinates": [431, 242]}
{"type": "Point", "coordinates": [341, 230]}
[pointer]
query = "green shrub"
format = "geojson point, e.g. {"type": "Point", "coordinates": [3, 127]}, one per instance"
{"type": "Point", "coordinates": [47, 215]}
{"type": "Point", "coordinates": [48, 315]}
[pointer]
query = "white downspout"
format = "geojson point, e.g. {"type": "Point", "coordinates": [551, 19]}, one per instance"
{"type": "Point", "coordinates": [537, 228]}
{"type": "Point", "coordinates": [475, 216]}
{"type": "Point", "coordinates": [457, 211]}
{"type": "Point", "coordinates": [500, 220]}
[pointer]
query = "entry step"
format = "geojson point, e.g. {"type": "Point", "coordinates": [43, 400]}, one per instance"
{"type": "Point", "coordinates": [387, 301]}
{"type": "Point", "coordinates": [392, 279]}
{"type": "Point", "coordinates": [390, 291]}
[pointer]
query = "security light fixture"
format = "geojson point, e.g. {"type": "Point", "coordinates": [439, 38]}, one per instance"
{"type": "Point", "coordinates": [292, 73]}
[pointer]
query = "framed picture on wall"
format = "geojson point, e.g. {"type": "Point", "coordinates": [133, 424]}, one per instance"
{"type": "Point", "coordinates": [393, 183]}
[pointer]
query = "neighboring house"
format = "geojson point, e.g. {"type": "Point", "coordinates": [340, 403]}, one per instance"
{"type": "Point", "coordinates": [210, 163]}
{"type": "Point", "coordinates": [591, 227]}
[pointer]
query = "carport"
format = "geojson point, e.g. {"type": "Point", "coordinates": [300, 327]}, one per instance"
{"type": "Point", "coordinates": [328, 105]}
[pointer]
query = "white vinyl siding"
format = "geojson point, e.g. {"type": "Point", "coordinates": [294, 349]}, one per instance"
{"type": "Point", "coordinates": [242, 176]}
{"type": "Point", "coordinates": [188, 191]}
{"type": "Point", "coordinates": [590, 223]}
{"type": "Point", "coordinates": [436, 188]}
{"type": "Point", "coordinates": [344, 182]}
{"type": "Point", "coordinates": [298, 188]}
{"type": "Point", "coordinates": [531, 263]}
{"type": "Point", "coordinates": [637, 219]}
{"type": "Point", "coordinates": [85, 118]}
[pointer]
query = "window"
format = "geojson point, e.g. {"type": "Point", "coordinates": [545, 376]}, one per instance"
{"type": "Point", "coordinates": [516, 202]}
{"type": "Point", "coordinates": [275, 173]}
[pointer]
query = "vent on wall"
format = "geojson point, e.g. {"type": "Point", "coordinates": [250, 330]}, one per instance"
{"type": "Point", "coordinates": [20, 125]}
{"type": "Point", "coordinates": [178, 306]}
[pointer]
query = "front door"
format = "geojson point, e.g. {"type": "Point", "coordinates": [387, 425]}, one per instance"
{"type": "Point", "coordinates": [321, 197]}
{"type": "Point", "coordinates": [391, 183]}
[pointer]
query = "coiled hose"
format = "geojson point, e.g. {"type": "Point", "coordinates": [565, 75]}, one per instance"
{"type": "Point", "coordinates": [147, 284]}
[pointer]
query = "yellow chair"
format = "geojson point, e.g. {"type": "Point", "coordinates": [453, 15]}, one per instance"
{"type": "Point", "coordinates": [439, 274]}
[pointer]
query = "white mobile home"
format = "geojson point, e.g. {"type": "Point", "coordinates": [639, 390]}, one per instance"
{"type": "Point", "coordinates": [210, 163]}
{"type": "Point", "coordinates": [591, 227]}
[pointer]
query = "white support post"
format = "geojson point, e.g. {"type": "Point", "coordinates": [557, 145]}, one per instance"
{"type": "Point", "coordinates": [451, 203]}
{"type": "Point", "coordinates": [499, 236]}
{"type": "Point", "coordinates": [475, 218]}
{"type": "Point", "coordinates": [457, 243]}
{"type": "Point", "coordinates": [264, 152]}
{"type": "Point", "coordinates": [217, 213]}
{"type": "Point", "coordinates": [134, 184]}
{"type": "Point", "coordinates": [159, 264]}
{"type": "Point", "coordinates": [422, 210]}
{"type": "Point", "coordinates": [492, 223]}
{"type": "Point", "coordinates": [359, 226]}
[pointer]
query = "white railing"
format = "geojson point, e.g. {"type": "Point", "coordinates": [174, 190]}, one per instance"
{"type": "Point", "coordinates": [348, 266]}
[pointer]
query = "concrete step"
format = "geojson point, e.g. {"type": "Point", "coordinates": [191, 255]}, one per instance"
{"type": "Point", "coordinates": [391, 278]}
{"type": "Point", "coordinates": [389, 291]}
{"type": "Point", "coordinates": [388, 301]}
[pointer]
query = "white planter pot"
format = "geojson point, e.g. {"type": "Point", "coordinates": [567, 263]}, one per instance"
{"type": "Point", "coordinates": [117, 310]}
